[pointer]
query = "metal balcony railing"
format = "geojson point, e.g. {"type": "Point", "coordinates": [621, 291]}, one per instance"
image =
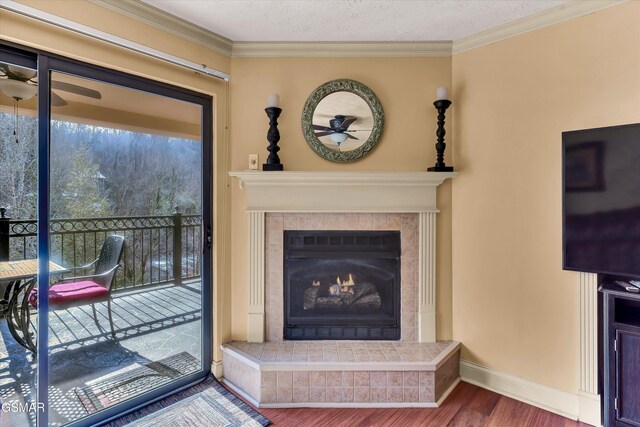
{"type": "Point", "coordinates": [158, 249]}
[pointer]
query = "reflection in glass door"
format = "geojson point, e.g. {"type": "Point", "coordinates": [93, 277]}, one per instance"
{"type": "Point", "coordinates": [126, 223]}
{"type": "Point", "coordinates": [18, 243]}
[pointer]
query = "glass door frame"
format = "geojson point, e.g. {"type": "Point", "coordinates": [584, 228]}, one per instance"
{"type": "Point", "coordinates": [47, 63]}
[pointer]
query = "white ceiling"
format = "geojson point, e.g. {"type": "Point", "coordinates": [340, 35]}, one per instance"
{"type": "Point", "coordinates": [350, 20]}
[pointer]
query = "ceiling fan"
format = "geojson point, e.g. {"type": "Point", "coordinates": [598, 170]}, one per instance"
{"type": "Point", "coordinates": [21, 83]}
{"type": "Point", "coordinates": [337, 129]}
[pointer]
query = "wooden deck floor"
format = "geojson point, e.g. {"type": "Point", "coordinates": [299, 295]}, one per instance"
{"type": "Point", "coordinates": [468, 406]}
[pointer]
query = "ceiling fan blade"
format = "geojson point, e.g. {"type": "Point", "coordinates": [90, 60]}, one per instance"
{"type": "Point", "coordinates": [318, 127]}
{"type": "Point", "coordinates": [78, 90]}
{"type": "Point", "coordinates": [351, 136]}
{"type": "Point", "coordinates": [21, 73]}
{"type": "Point", "coordinates": [14, 72]}
{"type": "Point", "coordinates": [346, 123]}
{"type": "Point", "coordinates": [57, 101]}
{"type": "Point", "coordinates": [319, 134]}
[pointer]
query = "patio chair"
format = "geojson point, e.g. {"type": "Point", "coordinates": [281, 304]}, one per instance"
{"type": "Point", "coordinates": [90, 289]}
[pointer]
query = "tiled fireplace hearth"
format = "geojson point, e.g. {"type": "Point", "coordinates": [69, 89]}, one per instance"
{"type": "Point", "coordinates": [272, 371]}
{"type": "Point", "coordinates": [342, 373]}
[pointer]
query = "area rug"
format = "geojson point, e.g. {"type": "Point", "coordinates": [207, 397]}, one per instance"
{"type": "Point", "coordinates": [206, 404]}
{"type": "Point", "coordinates": [105, 392]}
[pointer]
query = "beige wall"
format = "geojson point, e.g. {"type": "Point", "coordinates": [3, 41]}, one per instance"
{"type": "Point", "coordinates": [406, 88]}
{"type": "Point", "coordinates": [514, 308]}
{"type": "Point", "coordinates": [46, 37]}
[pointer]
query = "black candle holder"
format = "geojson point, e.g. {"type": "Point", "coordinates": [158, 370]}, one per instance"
{"type": "Point", "coordinates": [441, 105]}
{"type": "Point", "coordinates": [273, 136]}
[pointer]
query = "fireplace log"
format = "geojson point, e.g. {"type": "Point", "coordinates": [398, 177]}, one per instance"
{"type": "Point", "coordinates": [310, 296]}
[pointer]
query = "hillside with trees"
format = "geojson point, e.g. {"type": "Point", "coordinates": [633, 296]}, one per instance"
{"type": "Point", "coordinates": [98, 171]}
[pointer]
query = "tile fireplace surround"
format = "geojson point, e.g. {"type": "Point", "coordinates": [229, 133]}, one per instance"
{"type": "Point", "coordinates": [270, 372]}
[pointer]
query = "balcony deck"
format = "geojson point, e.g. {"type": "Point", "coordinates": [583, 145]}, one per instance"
{"type": "Point", "coordinates": [151, 323]}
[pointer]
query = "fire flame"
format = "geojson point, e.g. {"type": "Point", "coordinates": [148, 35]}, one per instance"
{"type": "Point", "coordinates": [349, 282]}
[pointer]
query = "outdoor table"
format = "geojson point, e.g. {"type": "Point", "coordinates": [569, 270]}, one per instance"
{"type": "Point", "coordinates": [22, 277]}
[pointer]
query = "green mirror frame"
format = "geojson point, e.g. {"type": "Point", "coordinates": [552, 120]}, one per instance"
{"type": "Point", "coordinates": [342, 85]}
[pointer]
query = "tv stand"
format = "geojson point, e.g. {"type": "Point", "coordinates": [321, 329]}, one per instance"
{"type": "Point", "coordinates": [621, 351]}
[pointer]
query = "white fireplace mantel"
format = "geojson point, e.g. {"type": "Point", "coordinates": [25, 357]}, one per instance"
{"type": "Point", "coordinates": [341, 191]}
{"type": "Point", "coordinates": [357, 192]}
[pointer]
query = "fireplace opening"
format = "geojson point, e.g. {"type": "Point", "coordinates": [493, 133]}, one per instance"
{"type": "Point", "coordinates": [342, 285]}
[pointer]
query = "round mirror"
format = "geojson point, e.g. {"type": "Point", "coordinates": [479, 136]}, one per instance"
{"type": "Point", "coordinates": [342, 120]}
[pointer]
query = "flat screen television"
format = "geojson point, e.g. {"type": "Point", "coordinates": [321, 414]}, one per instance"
{"type": "Point", "coordinates": [601, 200]}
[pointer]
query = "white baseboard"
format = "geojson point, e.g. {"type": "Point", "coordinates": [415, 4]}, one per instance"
{"type": "Point", "coordinates": [216, 369]}
{"type": "Point", "coordinates": [589, 408]}
{"type": "Point", "coordinates": [583, 407]}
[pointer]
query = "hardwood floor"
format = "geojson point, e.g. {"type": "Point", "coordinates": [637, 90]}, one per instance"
{"type": "Point", "coordinates": [467, 406]}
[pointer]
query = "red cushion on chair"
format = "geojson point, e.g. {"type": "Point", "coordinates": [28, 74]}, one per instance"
{"type": "Point", "coordinates": [68, 293]}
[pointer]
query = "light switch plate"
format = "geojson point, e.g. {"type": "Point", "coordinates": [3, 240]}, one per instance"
{"type": "Point", "coordinates": [253, 162]}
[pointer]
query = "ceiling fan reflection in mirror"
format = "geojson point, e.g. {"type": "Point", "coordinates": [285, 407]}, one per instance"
{"type": "Point", "coordinates": [21, 83]}
{"type": "Point", "coordinates": [337, 129]}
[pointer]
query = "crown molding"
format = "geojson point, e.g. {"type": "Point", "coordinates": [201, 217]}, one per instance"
{"type": "Point", "coordinates": [338, 49]}
{"type": "Point", "coordinates": [157, 18]}
{"type": "Point", "coordinates": [563, 12]}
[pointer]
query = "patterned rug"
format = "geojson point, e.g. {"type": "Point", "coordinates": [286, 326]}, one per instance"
{"type": "Point", "coordinates": [102, 393]}
{"type": "Point", "coordinates": [206, 404]}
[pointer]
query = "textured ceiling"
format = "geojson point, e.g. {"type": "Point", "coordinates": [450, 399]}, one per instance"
{"type": "Point", "coordinates": [350, 20]}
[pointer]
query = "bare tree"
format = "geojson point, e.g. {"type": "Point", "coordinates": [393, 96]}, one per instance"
{"type": "Point", "coordinates": [18, 166]}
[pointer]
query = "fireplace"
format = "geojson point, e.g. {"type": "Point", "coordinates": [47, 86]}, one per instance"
{"type": "Point", "coordinates": [342, 285]}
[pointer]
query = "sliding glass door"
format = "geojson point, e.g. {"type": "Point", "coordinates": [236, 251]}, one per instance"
{"type": "Point", "coordinates": [18, 235]}
{"type": "Point", "coordinates": [123, 308]}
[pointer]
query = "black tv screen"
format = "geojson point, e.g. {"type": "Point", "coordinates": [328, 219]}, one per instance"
{"type": "Point", "coordinates": [601, 200]}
